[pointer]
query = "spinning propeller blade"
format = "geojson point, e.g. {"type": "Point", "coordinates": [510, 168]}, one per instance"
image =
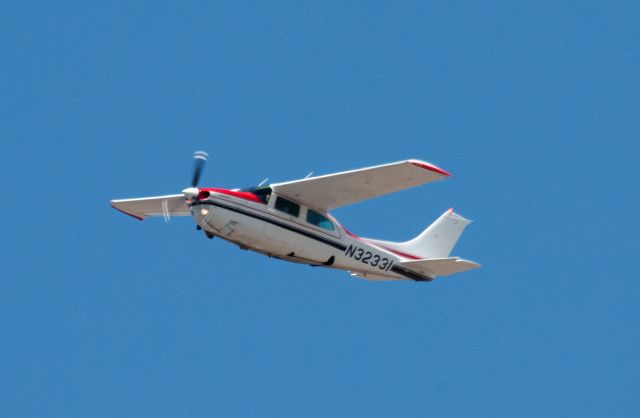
{"type": "Point", "coordinates": [200, 158]}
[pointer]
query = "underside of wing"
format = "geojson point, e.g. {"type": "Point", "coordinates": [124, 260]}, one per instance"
{"type": "Point", "coordinates": [165, 206]}
{"type": "Point", "coordinates": [340, 189]}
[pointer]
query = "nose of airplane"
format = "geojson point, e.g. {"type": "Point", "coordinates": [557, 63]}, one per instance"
{"type": "Point", "coordinates": [204, 218]}
{"type": "Point", "coordinates": [190, 193]}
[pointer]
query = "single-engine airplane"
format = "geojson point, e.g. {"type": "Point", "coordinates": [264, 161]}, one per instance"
{"type": "Point", "coordinates": [291, 221]}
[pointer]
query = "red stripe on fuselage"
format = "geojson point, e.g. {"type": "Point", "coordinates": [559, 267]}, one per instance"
{"type": "Point", "coordinates": [241, 195]}
{"type": "Point", "coordinates": [352, 235]}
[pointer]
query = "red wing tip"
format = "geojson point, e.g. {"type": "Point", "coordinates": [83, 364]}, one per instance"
{"type": "Point", "coordinates": [450, 210]}
{"type": "Point", "coordinates": [429, 167]}
{"type": "Point", "coordinates": [127, 213]}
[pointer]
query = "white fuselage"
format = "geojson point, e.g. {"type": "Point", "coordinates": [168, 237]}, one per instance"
{"type": "Point", "coordinates": [261, 227]}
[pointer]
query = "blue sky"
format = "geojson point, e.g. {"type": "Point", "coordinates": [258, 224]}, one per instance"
{"type": "Point", "coordinates": [534, 108]}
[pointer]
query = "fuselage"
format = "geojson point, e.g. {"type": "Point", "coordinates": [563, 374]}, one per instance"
{"type": "Point", "coordinates": [277, 226]}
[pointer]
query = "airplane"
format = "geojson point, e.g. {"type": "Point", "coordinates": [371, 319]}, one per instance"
{"type": "Point", "coordinates": [291, 221]}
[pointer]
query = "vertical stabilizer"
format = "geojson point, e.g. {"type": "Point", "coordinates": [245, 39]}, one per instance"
{"type": "Point", "coordinates": [438, 239]}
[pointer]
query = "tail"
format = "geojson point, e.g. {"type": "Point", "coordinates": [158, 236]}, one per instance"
{"type": "Point", "coordinates": [428, 253]}
{"type": "Point", "coordinates": [438, 239]}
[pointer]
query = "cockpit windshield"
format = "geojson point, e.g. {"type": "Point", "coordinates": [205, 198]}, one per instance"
{"type": "Point", "coordinates": [263, 192]}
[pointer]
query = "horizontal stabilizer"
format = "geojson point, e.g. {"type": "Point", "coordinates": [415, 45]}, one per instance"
{"type": "Point", "coordinates": [440, 266]}
{"type": "Point", "coordinates": [165, 206]}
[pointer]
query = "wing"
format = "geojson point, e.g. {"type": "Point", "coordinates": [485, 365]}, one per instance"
{"type": "Point", "coordinates": [340, 189]}
{"type": "Point", "coordinates": [166, 206]}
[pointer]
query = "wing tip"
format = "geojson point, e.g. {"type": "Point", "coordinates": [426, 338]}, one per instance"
{"type": "Point", "coordinates": [430, 167]}
{"type": "Point", "coordinates": [113, 205]}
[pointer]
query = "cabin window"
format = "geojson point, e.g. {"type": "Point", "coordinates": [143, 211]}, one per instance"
{"type": "Point", "coordinates": [287, 206]}
{"type": "Point", "coordinates": [321, 221]}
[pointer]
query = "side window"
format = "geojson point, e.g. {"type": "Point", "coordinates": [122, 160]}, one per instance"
{"type": "Point", "coordinates": [314, 218]}
{"type": "Point", "coordinates": [287, 206]}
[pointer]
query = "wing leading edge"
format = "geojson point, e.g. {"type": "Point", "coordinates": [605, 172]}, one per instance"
{"type": "Point", "coordinates": [347, 187]}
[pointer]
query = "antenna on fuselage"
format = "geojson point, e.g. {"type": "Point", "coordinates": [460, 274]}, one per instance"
{"type": "Point", "coordinates": [263, 182]}
{"type": "Point", "coordinates": [309, 175]}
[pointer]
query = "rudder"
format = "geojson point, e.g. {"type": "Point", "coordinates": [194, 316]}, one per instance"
{"type": "Point", "coordinates": [439, 238]}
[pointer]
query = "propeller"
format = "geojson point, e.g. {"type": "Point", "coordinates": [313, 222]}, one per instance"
{"type": "Point", "coordinates": [200, 158]}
